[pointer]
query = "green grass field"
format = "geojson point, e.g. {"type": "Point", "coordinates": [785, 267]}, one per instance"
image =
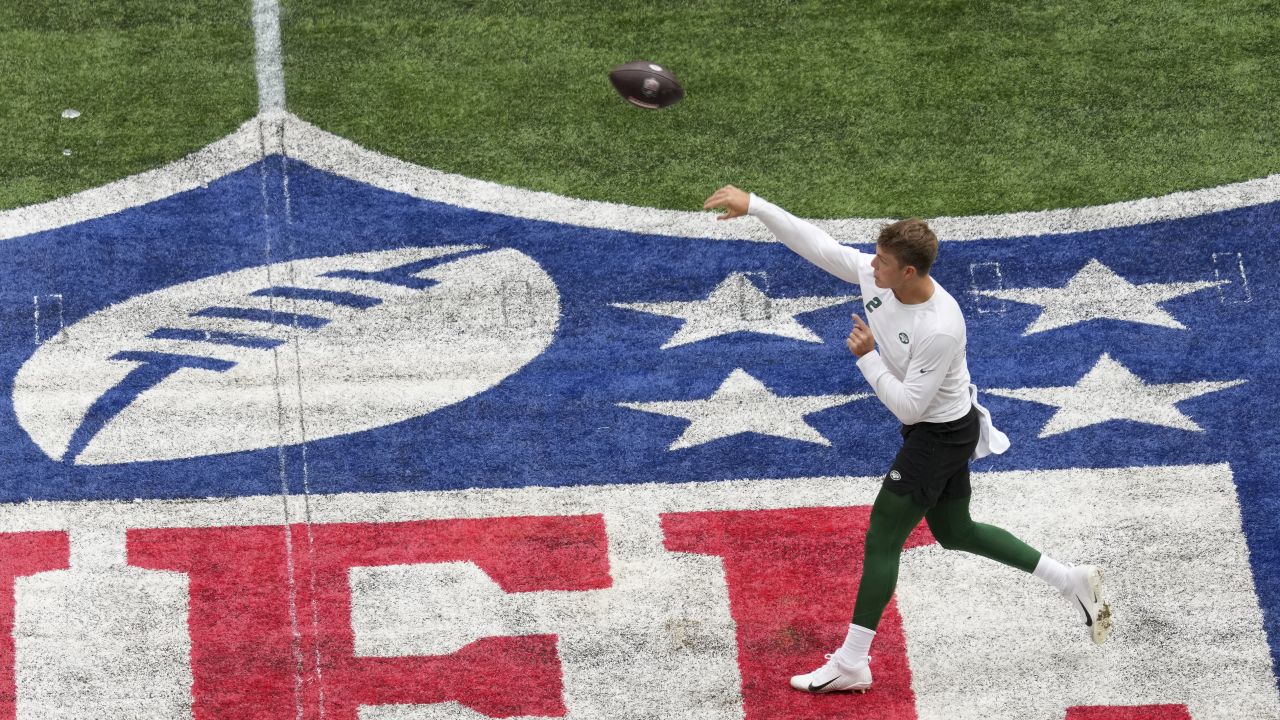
{"type": "Point", "coordinates": [832, 109]}
{"type": "Point", "coordinates": [153, 81]}
{"type": "Point", "coordinates": [869, 109]}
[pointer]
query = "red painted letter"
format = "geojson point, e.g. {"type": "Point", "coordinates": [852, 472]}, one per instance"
{"type": "Point", "coordinates": [1133, 712]}
{"type": "Point", "coordinates": [253, 651]}
{"type": "Point", "coordinates": [22, 553]}
{"type": "Point", "coordinates": [793, 576]}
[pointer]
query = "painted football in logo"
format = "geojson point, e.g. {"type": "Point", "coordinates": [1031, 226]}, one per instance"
{"type": "Point", "coordinates": [219, 364]}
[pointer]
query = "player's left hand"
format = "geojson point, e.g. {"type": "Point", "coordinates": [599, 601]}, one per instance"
{"type": "Point", "coordinates": [860, 340]}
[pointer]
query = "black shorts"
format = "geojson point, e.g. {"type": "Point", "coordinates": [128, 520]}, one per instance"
{"type": "Point", "coordinates": [933, 463]}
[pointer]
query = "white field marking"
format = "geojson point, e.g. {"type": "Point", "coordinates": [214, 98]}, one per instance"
{"type": "Point", "coordinates": [270, 134]}
{"type": "Point", "coordinates": [222, 157]}
{"type": "Point", "coordinates": [102, 639]}
{"type": "Point", "coordinates": [295, 340]}
{"type": "Point", "coordinates": [980, 300]}
{"type": "Point", "coordinates": [270, 60]}
{"type": "Point", "coordinates": [58, 336]}
{"type": "Point", "coordinates": [754, 302]}
{"type": "Point", "coordinates": [450, 324]}
{"type": "Point", "coordinates": [661, 639]}
{"type": "Point", "coordinates": [331, 153]}
{"type": "Point", "coordinates": [271, 128]}
{"type": "Point", "coordinates": [1245, 293]}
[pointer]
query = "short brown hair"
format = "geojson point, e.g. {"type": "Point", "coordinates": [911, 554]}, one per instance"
{"type": "Point", "coordinates": [911, 242]}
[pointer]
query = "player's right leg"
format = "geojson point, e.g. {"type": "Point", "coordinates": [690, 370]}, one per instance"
{"type": "Point", "coordinates": [893, 517]}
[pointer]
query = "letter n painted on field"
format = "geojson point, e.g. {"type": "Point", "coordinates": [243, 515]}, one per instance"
{"type": "Point", "coordinates": [270, 643]}
{"type": "Point", "coordinates": [21, 554]}
{"type": "Point", "coordinates": [792, 577]}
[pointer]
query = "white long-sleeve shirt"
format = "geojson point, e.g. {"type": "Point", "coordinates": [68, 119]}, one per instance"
{"type": "Point", "coordinates": [919, 370]}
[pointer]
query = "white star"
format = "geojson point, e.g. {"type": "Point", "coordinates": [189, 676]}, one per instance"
{"type": "Point", "coordinates": [1098, 292]}
{"type": "Point", "coordinates": [737, 305]}
{"type": "Point", "coordinates": [743, 404]}
{"type": "Point", "coordinates": [1111, 392]}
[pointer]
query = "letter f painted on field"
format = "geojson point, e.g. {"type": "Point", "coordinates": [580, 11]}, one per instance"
{"type": "Point", "coordinates": [252, 657]}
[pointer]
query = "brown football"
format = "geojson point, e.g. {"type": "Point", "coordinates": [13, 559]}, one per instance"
{"type": "Point", "coordinates": [646, 84]}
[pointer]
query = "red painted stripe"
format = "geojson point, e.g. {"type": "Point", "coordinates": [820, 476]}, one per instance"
{"type": "Point", "coordinates": [792, 577]}
{"type": "Point", "coordinates": [22, 554]}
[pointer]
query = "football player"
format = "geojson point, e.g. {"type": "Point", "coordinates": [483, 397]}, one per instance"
{"type": "Point", "coordinates": [921, 374]}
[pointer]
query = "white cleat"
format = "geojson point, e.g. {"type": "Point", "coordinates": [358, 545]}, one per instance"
{"type": "Point", "coordinates": [1086, 594]}
{"type": "Point", "coordinates": [835, 676]}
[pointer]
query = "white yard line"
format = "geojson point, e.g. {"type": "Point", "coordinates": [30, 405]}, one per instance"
{"type": "Point", "coordinates": [269, 66]}
{"type": "Point", "coordinates": [334, 154]}
{"type": "Point", "coordinates": [270, 61]}
{"type": "Point", "coordinates": [272, 120]}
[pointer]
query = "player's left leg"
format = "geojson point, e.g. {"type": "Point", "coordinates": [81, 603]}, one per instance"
{"type": "Point", "coordinates": [954, 529]}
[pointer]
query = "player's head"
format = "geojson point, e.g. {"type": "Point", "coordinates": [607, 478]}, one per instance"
{"type": "Point", "coordinates": [905, 250]}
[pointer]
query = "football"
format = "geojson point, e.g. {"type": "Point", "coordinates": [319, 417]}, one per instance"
{"type": "Point", "coordinates": [646, 84]}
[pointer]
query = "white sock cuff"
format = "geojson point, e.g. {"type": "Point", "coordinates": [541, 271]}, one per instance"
{"type": "Point", "coordinates": [1053, 572]}
{"type": "Point", "coordinates": [861, 631]}
{"type": "Point", "coordinates": [857, 645]}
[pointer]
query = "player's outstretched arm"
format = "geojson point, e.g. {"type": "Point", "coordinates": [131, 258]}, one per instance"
{"type": "Point", "coordinates": [806, 239]}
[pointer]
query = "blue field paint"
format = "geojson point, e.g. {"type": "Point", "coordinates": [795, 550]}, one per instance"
{"type": "Point", "coordinates": [558, 422]}
{"type": "Point", "coordinates": [334, 297]}
{"type": "Point", "coordinates": [216, 337]}
{"type": "Point", "coordinates": [270, 317]}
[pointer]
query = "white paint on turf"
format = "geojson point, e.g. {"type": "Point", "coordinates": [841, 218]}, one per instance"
{"type": "Point", "coordinates": [1096, 291]}
{"type": "Point", "coordinates": [660, 641]}
{"type": "Point", "coordinates": [269, 57]}
{"type": "Point", "coordinates": [337, 155]}
{"type": "Point", "coordinates": [1111, 391]}
{"type": "Point", "coordinates": [737, 305]}
{"type": "Point", "coordinates": [233, 152]}
{"type": "Point", "coordinates": [343, 157]}
{"type": "Point", "coordinates": [743, 404]}
{"type": "Point", "coordinates": [1027, 645]}
{"type": "Point", "coordinates": [1187, 629]}
{"type": "Point", "coordinates": [103, 643]}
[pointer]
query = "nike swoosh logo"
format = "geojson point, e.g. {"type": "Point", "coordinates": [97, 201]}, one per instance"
{"type": "Point", "coordinates": [1088, 619]}
{"type": "Point", "coordinates": [923, 370]}
{"type": "Point", "coordinates": [813, 687]}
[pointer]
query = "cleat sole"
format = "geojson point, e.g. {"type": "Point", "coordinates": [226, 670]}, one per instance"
{"type": "Point", "coordinates": [1102, 623]}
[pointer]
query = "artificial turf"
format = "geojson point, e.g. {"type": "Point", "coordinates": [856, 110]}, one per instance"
{"type": "Point", "coordinates": [831, 109]}
{"type": "Point", "coordinates": [152, 81]}
{"type": "Point", "coordinates": [871, 109]}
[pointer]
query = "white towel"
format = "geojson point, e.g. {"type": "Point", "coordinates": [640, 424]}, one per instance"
{"type": "Point", "coordinates": [990, 440]}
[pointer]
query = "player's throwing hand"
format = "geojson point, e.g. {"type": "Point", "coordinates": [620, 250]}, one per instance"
{"type": "Point", "coordinates": [735, 202]}
{"type": "Point", "coordinates": [860, 340]}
